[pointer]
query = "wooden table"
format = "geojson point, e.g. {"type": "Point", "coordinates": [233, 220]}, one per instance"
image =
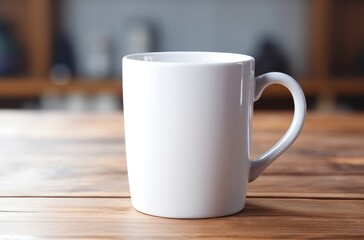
{"type": "Point", "coordinates": [63, 176]}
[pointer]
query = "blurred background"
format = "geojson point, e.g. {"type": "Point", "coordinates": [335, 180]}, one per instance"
{"type": "Point", "coordinates": [66, 54]}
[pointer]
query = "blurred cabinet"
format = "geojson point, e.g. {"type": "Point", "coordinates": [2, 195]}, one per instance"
{"type": "Point", "coordinates": [336, 36]}
{"type": "Point", "coordinates": [33, 22]}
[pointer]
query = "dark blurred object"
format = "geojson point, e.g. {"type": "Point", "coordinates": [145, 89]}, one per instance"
{"type": "Point", "coordinates": [98, 61]}
{"type": "Point", "coordinates": [350, 103]}
{"type": "Point", "coordinates": [279, 103]}
{"type": "Point", "coordinates": [271, 58]}
{"type": "Point", "coordinates": [359, 69]}
{"type": "Point", "coordinates": [9, 50]}
{"type": "Point", "coordinates": [63, 63]}
{"type": "Point", "coordinates": [19, 102]}
{"type": "Point", "coordinates": [346, 38]}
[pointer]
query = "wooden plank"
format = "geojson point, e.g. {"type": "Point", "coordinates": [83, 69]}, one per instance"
{"type": "Point", "coordinates": [77, 162]}
{"type": "Point", "coordinates": [114, 218]}
{"type": "Point", "coordinates": [71, 155]}
{"type": "Point", "coordinates": [98, 169]}
{"type": "Point", "coordinates": [69, 172]}
{"type": "Point", "coordinates": [108, 178]}
{"type": "Point", "coordinates": [66, 177]}
{"type": "Point", "coordinates": [341, 122]}
{"type": "Point", "coordinates": [62, 154]}
{"type": "Point", "coordinates": [315, 154]}
{"type": "Point", "coordinates": [337, 187]}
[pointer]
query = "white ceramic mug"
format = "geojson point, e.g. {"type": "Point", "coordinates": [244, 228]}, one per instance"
{"type": "Point", "coordinates": [188, 130]}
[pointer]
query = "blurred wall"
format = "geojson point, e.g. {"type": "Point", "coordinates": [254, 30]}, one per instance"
{"type": "Point", "coordinates": [207, 25]}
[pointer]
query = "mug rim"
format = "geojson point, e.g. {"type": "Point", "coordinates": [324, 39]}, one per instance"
{"type": "Point", "coordinates": [199, 58]}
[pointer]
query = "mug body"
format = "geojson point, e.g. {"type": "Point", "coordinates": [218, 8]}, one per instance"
{"type": "Point", "coordinates": [187, 127]}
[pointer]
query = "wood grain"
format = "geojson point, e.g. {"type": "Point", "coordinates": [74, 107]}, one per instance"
{"type": "Point", "coordinates": [80, 155]}
{"type": "Point", "coordinates": [63, 176]}
{"type": "Point", "coordinates": [114, 218]}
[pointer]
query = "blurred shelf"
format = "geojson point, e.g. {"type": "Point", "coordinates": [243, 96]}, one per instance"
{"type": "Point", "coordinates": [310, 87]}
{"type": "Point", "coordinates": [335, 32]}
{"type": "Point", "coordinates": [338, 86]}
{"type": "Point", "coordinates": [35, 87]}
{"type": "Point", "coordinates": [347, 85]}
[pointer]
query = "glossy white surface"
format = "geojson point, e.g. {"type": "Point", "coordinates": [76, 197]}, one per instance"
{"type": "Point", "coordinates": [187, 131]}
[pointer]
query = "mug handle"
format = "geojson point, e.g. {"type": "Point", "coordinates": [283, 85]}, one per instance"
{"type": "Point", "coordinates": [262, 162]}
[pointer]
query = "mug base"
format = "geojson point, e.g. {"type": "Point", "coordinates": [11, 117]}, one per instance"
{"type": "Point", "coordinates": [188, 216]}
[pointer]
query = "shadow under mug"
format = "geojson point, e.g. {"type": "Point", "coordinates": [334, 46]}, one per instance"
{"type": "Point", "coordinates": [187, 122]}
